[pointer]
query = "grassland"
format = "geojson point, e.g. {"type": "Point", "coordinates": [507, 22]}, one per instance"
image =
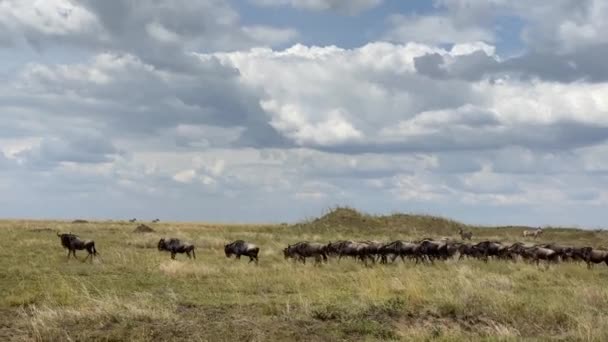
{"type": "Point", "coordinates": [133, 292]}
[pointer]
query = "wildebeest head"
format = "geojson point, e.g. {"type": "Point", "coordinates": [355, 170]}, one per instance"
{"type": "Point", "coordinates": [162, 244]}
{"type": "Point", "coordinates": [66, 238]}
{"type": "Point", "coordinates": [288, 252]}
{"type": "Point", "coordinates": [228, 249]}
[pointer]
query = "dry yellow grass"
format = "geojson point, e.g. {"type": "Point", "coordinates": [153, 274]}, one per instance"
{"type": "Point", "coordinates": [133, 292]}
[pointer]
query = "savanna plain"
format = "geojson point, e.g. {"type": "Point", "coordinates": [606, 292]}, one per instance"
{"type": "Point", "coordinates": [133, 292]}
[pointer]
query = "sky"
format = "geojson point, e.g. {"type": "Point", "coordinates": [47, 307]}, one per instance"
{"type": "Point", "coordinates": [485, 111]}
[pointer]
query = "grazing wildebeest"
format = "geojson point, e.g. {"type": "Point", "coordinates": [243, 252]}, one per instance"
{"type": "Point", "coordinates": [534, 233]}
{"type": "Point", "coordinates": [176, 246]}
{"type": "Point", "coordinates": [132, 220]}
{"type": "Point", "coordinates": [240, 247]}
{"type": "Point", "coordinates": [155, 220]}
{"type": "Point", "coordinates": [465, 235]}
{"type": "Point", "coordinates": [305, 249]}
{"type": "Point", "coordinates": [594, 256]}
{"type": "Point", "coordinates": [71, 242]}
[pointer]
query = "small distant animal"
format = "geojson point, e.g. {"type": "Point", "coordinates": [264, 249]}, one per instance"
{"type": "Point", "coordinates": [465, 235]}
{"type": "Point", "coordinates": [156, 220]}
{"type": "Point", "coordinates": [71, 242]}
{"type": "Point", "coordinates": [176, 246]}
{"type": "Point", "coordinates": [534, 233]}
{"type": "Point", "coordinates": [132, 220]}
{"type": "Point", "coordinates": [240, 247]}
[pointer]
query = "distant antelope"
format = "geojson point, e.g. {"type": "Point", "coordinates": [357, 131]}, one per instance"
{"type": "Point", "coordinates": [465, 235]}
{"type": "Point", "coordinates": [534, 233]}
{"type": "Point", "coordinates": [156, 220]}
{"type": "Point", "coordinates": [132, 220]}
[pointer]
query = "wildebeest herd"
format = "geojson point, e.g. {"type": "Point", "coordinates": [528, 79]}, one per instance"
{"type": "Point", "coordinates": [426, 250]}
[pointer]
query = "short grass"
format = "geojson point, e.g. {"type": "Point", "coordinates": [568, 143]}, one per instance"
{"type": "Point", "coordinates": [135, 293]}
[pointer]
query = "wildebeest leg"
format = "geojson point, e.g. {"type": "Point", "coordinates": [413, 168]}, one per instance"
{"type": "Point", "coordinates": [238, 256]}
{"type": "Point", "coordinates": [69, 252]}
{"type": "Point", "coordinates": [172, 255]}
{"type": "Point", "coordinates": [188, 254]}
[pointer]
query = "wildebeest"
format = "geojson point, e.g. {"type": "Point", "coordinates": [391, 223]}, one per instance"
{"type": "Point", "coordinates": [302, 250]}
{"type": "Point", "coordinates": [489, 248]}
{"type": "Point", "coordinates": [594, 256]}
{"type": "Point", "coordinates": [465, 235]}
{"type": "Point", "coordinates": [354, 249]}
{"type": "Point", "coordinates": [132, 220]}
{"type": "Point", "coordinates": [176, 246]}
{"type": "Point", "coordinates": [155, 220]}
{"type": "Point", "coordinates": [563, 252]}
{"type": "Point", "coordinates": [240, 247]}
{"type": "Point", "coordinates": [72, 243]}
{"type": "Point", "coordinates": [400, 249]}
{"type": "Point", "coordinates": [534, 233]}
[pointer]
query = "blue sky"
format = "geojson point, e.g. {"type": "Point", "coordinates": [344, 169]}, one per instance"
{"type": "Point", "coordinates": [488, 112]}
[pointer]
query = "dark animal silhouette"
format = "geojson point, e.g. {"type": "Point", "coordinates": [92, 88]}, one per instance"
{"type": "Point", "coordinates": [594, 256]}
{"type": "Point", "coordinates": [240, 247]}
{"type": "Point", "coordinates": [72, 243]}
{"type": "Point", "coordinates": [132, 220]}
{"type": "Point", "coordinates": [155, 220]}
{"type": "Point", "coordinates": [176, 246]}
{"type": "Point", "coordinates": [302, 250]}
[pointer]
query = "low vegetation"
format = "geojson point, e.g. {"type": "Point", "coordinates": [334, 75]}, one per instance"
{"type": "Point", "coordinates": [131, 291]}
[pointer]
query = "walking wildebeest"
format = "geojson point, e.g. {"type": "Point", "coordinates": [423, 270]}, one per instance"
{"type": "Point", "coordinates": [465, 235]}
{"type": "Point", "coordinates": [305, 249]}
{"type": "Point", "coordinates": [71, 242]}
{"type": "Point", "coordinates": [176, 246]}
{"type": "Point", "coordinates": [240, 247]}
{"type": "Point", "coordinates": [534, 233]}
{"type": "Point", "coordinates": [594, 256]}
{"type": "Point", "coordinates": [400, 249]}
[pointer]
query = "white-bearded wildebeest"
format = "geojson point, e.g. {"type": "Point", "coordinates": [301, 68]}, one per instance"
{"type": "Point", "coordinates": [72, 243]}
{"type": "Point", "coordinates": [302, 250]}
{"type": "Point", "coordinates": [240, 247]}
{"type": "Point", "coordinates": [400, 249]}
{"type": "Point", "coordinates": [176, 246]}
{"type": "Point", "coordinates": [594, 256]}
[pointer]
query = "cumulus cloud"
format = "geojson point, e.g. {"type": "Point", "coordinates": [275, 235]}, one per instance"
{"type": "Point", "coordinates": [373, 98]}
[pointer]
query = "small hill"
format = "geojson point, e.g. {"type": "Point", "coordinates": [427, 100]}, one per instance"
{"type": "Point", "coordinates": [349, 219]}
{"type": "Point", "coordinates": [142, 228]}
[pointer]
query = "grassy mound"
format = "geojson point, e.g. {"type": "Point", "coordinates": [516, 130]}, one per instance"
{"type": "Point", "coordinates": [142, 228]}
{"type": "Point", "coordinates": [345, 219]}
